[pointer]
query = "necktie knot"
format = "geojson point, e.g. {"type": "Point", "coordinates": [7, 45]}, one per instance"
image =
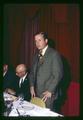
{"type": "Point", "coordinates": [40, 57]}
{"type": "Point", "coordinates": [40, 53]}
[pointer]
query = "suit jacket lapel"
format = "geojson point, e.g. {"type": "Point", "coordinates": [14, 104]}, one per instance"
{"type": "Point", "coordinates": [47, 52]}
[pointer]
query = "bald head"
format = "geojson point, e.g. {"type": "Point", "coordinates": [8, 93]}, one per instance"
{"type": "Point", "coordinates": [21, 70]}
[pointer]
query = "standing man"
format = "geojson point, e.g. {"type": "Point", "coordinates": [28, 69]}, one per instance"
{"type": "Point", "coordinates": [46, 71]}
{"type": "Point", "coordinates": [22, 83]}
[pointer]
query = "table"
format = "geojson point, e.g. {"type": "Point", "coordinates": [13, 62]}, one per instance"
{"type": "Point", "coordinates": [21, 107]}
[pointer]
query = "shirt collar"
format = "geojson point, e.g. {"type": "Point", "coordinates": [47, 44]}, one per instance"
{"type": "Point", "coordinates": [4, 73]}
{"type": "Point", "coordinates": [24, 77]}
{"type": "Point", "coordinates": [44, 50]}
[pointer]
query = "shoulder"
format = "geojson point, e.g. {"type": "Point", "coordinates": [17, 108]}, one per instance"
{"type": "Point", "coordinates": [27, 77]}
{"type": "Point", "coordinates": [35, 57]}
{"type": "Point", "coordinates": [53, 52]}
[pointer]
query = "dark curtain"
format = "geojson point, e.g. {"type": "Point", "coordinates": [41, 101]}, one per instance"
{"type": "Point", "coordinates": [27, 46]}
{"type": "Point", "coordinates": [61, 22]}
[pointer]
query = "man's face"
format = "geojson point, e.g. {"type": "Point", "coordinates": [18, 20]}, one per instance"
{"type": "Point", "coordinates": [5, 68]}
{"type": "Point", "coordinates": [40, 41]}
{"type": "Point", "coordinates": [20, 73]}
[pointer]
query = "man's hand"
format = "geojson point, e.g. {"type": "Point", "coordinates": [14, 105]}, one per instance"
{"type": "Point", "coordinates": [32, 91]}
{"type": "Point", "coordinates": [10, 91]}
{"type": "Point", "coordinates": [47, 95]}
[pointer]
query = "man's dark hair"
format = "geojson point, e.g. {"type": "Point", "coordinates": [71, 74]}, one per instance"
{"type": "Point", "coordinates": [45, 36]}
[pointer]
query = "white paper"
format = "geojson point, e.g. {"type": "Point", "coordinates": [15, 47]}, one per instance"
{"type": "Point", "coordinates": [22, 108]}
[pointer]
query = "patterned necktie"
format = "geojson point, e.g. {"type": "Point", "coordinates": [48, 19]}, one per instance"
{"type": "Point", "coordinates": [40, 57]}
{"type": "Point", "coordinates": [40, 53]}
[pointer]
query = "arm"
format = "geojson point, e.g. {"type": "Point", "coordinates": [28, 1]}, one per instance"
{"type": "Point", "coordinates": [32, 78]}
{"type": "Point", "coordinates": [57, 73]}
{"type": "Point", "coordinates": [32, 91]}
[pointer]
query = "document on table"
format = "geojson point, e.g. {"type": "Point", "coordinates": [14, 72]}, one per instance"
{"type": "Point", "coordinates": [26, 108]}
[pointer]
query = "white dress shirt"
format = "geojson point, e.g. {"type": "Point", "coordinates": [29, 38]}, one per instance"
{"type": "Point", "coordinates": [4, 73]}
{"type": "Point", "coordinates": [22, 79]}
{"type": "Point", "coordinates": [44, 50]}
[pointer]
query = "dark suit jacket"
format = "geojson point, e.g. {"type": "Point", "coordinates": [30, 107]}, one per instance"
{"type": "Point", "coordinates": [49, 73]}
{"type": "Point", "coordinates": [8, 80]}
{"type": "Point", "coordinates": [24, 89]}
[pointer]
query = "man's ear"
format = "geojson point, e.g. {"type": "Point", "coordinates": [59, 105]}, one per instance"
{"type": "Point", "coordinates": [46, 40]}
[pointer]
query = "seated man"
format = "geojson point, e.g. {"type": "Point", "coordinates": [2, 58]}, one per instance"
{"type": "Point", "coordinates": [22, 84]}
{"type": "Point", "coordinates": [8, 79]}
